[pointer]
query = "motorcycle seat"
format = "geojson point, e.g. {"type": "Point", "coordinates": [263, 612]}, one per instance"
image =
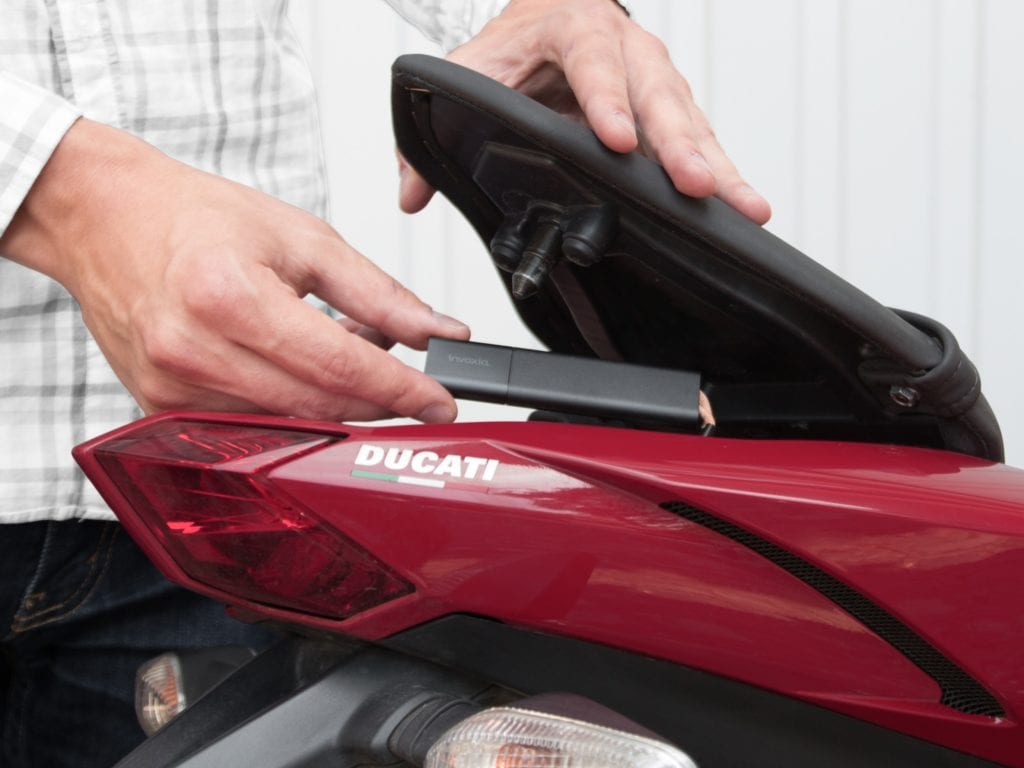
{"type": "Point", "coordinates": [603, 257]}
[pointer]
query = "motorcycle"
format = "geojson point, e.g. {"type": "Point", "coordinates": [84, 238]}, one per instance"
{"type": "Point", "coordinates": [757, 519]}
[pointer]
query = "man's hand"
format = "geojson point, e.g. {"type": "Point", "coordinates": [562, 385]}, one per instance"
{"type": "Point", "coordinates": [193, 287]}
{"type": "Point", "coordinates": [587, 58]}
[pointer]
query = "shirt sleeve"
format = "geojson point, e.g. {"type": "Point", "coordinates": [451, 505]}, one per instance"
{"type": "Point", "coordinates": [448, 22]}
{"type": "Point", "coordinates": [32, 123]}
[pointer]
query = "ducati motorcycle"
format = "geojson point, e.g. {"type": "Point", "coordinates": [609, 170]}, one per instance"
{"type": "Point", "coordinates": [757, 518]}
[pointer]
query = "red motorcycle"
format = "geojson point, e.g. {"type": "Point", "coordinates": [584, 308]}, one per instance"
{"type": "Point", "coordinates": [758, 519]}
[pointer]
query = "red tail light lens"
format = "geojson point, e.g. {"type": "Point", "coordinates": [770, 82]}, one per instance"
{"type": "Point", "coordinates": [202, 490]}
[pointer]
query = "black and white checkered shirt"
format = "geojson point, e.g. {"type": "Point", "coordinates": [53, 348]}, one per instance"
{"type": "Point", "coordinates": [218, 84]}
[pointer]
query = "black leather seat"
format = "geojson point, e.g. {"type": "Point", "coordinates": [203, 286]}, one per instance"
{"type": "Point", "coordinates": [786, 348]}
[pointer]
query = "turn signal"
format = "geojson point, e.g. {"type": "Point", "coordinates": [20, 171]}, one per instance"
{"type": "Point", "coordinates": [159, 692]}
{"type": "Point", "coordinates": [505, 737]}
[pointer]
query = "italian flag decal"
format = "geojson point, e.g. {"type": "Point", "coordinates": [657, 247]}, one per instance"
{"type": "Point", "coordinates": [404, 479]}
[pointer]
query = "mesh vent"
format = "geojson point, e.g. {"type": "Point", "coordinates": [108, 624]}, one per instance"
{"type": "Point", "coordinates": [960, 691]}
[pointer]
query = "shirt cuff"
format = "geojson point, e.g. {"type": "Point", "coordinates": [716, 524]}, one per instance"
{"type": "Point", "coordinates": [32, 123]}
{"type": "Point", "coordinates": [449, 23]}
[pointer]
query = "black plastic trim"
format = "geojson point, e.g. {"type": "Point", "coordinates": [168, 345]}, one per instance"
{"type": "Point", "coordinates": [311, 704]}
{"type": "Point", "coordinates": [720, 723]}
{"type": "Point", "coordinates": [270, 678]}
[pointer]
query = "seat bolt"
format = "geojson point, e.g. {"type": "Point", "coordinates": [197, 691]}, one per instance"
{"type": "Point", "coordinates": [903, 396]}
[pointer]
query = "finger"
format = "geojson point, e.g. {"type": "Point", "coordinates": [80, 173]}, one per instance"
{"type": "Point", "coordinates": [203, 370]}
{"type": "Point", "coordinates": [662, 101]}
{"type": "Point", "coordinates": [309, 345]}
{"type": "Point", "coordinates": [198, 399]}
{"type": "Point", "coordinates": [350, 282]}
{"type": "Point", "coordinates": [413, 191]}
{"type": "Point", "coordinates": [259, 386]}
{"type": "Point", "coordinates": [596, 72]}
{"type": "Point", "coordinates": [731, 187]}
{"type": "Point", "coordinates": [679, 136]}
{"type": "Point", "coordinates": [372, 335]}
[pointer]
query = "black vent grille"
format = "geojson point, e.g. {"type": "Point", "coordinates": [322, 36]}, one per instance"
{"type": "Point", "coordinates": [960, 691]}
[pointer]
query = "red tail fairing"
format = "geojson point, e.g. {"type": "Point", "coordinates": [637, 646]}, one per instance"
{"type": "Point", "coordinates": [874, 580]}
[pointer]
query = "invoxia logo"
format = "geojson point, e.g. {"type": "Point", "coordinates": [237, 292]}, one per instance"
{"type": "Point", "coordinates": [428, 467]}
{"type": "Point", "coordinates": [481, 362]}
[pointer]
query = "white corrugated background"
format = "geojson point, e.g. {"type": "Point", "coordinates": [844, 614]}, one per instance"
{"type": "Point", "coordinates": [889, 137]}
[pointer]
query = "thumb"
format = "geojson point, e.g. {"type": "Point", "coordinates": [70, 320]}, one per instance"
{"type": "Point", "coordinates": [413, 192]}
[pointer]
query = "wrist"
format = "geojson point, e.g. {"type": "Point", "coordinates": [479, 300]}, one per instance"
{"type": "Point", "coordinates": [69, 200]}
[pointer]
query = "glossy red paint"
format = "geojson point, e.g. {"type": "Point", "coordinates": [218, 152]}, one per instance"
{"type": "Point", "coordinates": [567, 537]}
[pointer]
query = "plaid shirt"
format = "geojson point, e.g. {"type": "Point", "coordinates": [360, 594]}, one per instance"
{"type": "Point", "coordinates": [218, 84]}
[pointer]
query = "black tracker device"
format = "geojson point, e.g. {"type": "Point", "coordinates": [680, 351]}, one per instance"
{"type": "Point", "coordinates": [576, 385]}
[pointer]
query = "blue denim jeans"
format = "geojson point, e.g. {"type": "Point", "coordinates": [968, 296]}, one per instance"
{"type": "Point", "coordinates": [80, 609]}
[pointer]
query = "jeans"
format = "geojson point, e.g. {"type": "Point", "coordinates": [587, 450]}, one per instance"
{"type": "Point", "coordinates": [80, 609]}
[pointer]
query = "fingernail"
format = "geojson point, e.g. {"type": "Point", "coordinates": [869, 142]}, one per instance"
{"type": "Point", "coordinates": [701, 160]}
{"type": "Point", "coordinates": [749, 191]}
{"type": "Point", "coordinates": [438, 413]}
{"type": "Point", "coordinates": [403, 176]}
{"type": "Point", "coordinates": [456, 326]}
{"type": "Point", "coordinates": [625, 119]}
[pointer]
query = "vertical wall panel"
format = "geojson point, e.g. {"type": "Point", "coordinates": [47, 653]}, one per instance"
{"type": "Point", "coordinates": [353, 86]}
{"type": "Point", "coordinates": [998, 305]}
{"type": "Point", "coordinates": [682, 24]}
{"type": "Point", "coordinates": [952, 237]}
{"type": "Point", "coordinates": [818, 195]}
{"type": "Point", "coordinates": [753, 101]}
{"type": "Point", "coordinates": [888, 159]}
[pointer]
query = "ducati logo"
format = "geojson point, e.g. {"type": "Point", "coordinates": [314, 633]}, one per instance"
{"type": "Point", "coordinates": [421, 467]}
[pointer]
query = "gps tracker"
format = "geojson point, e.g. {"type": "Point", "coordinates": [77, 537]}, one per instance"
{"type": "Point", "coordinates": [576, 385]}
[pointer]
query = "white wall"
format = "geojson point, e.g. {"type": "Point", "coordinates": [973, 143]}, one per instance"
{"type": "Point", "coordinates": [889, 137]}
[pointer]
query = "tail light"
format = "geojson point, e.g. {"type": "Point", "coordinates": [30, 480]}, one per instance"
{"type": "Point", "coordinates": [202, 493]}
